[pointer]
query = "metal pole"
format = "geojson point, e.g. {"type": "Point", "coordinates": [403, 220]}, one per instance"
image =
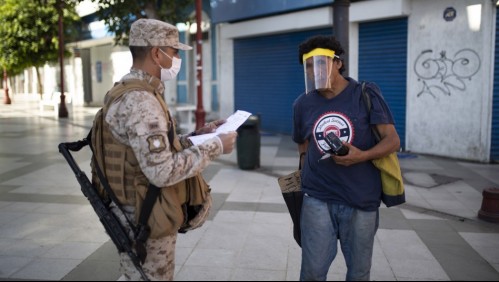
{"type": "Point", "coordinates": [341, 22]}
{"type": "Point", "coordinates": [200, 113]}
{"type": "Point", "coordinates": [6, 98]}
{"type": "Point", "coordinates": [63, 112]}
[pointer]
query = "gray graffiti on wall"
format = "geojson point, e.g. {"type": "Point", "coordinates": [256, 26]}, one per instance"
{"type": "Point", "coordinates": [442, 75]}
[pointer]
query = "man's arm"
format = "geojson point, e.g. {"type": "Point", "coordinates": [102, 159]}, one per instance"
{"type": "Point", "coordinates": [302, 149]}
{"type": "Point", "coordinates": [389, 143]}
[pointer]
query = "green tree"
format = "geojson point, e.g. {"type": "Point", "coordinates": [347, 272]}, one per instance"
{"type": "Point", "coordinates": [29, 33]}
{"type": "Point", "coordinates": [119, 15]}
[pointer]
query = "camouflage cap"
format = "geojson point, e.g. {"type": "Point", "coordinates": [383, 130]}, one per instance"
{"type": "Point", "coordinates": [150, 32]}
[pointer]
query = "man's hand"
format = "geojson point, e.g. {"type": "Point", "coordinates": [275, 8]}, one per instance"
{"type": "Point", "coordinates": [210, 127]}
{"type": "Point", "coordinates": [354, 156]}
{"type": "Point", "coordinates": [228, 139]}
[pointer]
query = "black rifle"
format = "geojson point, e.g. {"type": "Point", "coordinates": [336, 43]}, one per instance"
{"type": "Point", "coordinates": [113, 227]}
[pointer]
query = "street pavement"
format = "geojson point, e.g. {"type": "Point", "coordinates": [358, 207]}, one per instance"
{"type": "Point", "coordinates": [49, 231]}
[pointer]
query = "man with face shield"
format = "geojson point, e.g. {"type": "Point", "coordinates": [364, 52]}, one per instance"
{"type": "Point", "coordinates": [342, 192]}
{"type": "Point", "coordinates": [318, 66]}
{"type": "Point", "coordinates": [137, 148]}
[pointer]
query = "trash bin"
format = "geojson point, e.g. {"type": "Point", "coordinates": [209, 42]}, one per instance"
{"type": "Point", "coordinates": [248, 143]}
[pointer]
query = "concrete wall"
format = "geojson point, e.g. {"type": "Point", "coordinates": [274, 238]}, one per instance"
{"type": "Point", "coordinates": [108, 63]}
{"type": "Point", "coordinates": [450, 78]}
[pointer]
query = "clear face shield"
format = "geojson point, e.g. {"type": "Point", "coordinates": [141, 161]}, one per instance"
{"type": "Point", "coordinates": [318, 65]}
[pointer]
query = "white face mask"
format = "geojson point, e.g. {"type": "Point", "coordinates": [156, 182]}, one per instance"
{"type": "Point", "coordinates": [171, 73]}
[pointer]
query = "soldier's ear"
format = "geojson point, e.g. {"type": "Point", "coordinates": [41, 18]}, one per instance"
{"type": "Point", "coordinates": [154, 53]}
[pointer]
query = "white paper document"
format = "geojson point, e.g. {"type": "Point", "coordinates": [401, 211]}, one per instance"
{"type": "Point", "coordinates": [232, 124]}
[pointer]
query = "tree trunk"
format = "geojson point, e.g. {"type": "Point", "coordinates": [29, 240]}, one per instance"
{"type": "Point", "coordinates": [12, 82]}
{"type": "Point", "coordinates": [150, 10]}
{"type": "Point", "coordinates": [40, 85]}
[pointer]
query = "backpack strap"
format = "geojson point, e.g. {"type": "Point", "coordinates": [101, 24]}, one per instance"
{"type": "Point", "coordinates": [367, 101]}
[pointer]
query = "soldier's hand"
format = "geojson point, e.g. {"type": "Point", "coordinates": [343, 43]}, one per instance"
{"type": "Point", "coordinates": [210, 127]}
{"type": "Point", "coordinates": [228, 140]}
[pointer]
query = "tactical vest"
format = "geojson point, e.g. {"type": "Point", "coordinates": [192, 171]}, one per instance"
{"type": "Point", "coordinates": [122, 170]}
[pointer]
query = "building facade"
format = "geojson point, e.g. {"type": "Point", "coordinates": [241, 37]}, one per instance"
{"type": "Point", "coordinates": [436, 63]}
{"type": "Point", "coordinates": [433, 60]}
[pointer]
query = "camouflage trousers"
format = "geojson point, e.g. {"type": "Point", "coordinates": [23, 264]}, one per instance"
{"type": "Point", "coordinates": [159, 264]}
{"type": "Point", "coordinates": [160, 261]}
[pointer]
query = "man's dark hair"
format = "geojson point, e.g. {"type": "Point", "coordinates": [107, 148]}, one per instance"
{"type": "Point", "coordinates": [139, 52]}
{"type": "Point", "coordinates": [321, 41]}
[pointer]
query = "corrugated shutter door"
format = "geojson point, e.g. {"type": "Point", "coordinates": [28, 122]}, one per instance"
{"type": "Point", "coordinates": [383, 60]}
{"type": "Point", "coordinates": [268, 77]}
{"type": "Point", "coordinates": [494, 152]}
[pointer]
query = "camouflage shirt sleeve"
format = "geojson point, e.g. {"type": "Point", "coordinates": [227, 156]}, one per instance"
{"type": "Point", "coordinates": [138, 120]}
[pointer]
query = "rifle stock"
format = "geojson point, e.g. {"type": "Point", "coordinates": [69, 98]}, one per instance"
{"type": "Point", "coordinates": [111, 223]}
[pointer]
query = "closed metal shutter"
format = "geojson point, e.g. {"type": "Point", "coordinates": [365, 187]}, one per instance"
{"type": "Point", "coordinates": [268, 77]}
{"type": "Point", "coordinates": [494, 152]}
{"type": "Point", "coordinates": [383, 60]}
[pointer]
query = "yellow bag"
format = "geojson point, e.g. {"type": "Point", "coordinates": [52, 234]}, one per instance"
{"type": "Point", "coordinates": [391, 180]}
{"type": "Point", "coordinates": [389, 166]}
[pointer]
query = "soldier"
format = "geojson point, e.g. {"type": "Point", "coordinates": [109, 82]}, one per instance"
{"type": "Point", "coordinates": [135, 145]}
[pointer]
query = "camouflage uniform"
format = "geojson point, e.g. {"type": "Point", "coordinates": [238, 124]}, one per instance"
{"type": "Point", "coordinates": [137, 120]}
{"type": "Point", "coordinates": [160, 261]}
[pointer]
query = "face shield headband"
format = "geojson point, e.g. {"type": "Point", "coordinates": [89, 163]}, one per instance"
{"type": "Point", "coordinates": [317, 66]}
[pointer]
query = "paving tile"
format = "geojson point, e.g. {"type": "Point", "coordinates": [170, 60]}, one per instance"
{"type": "Point", "coordinates": [408, 255]}
{"type": "Point", "coordinates": [71, 250]}
{"type": "Point", "coordinates": [224, 236]}
{"type": "Point", "coordinates": [27, 248]}
{"type": "Point", "coordinates": [10, 264]}
{"type": "Point", "coordinates": [264, 252]}
{"type": "Point", "coordinates": [212, 258]}
{"type": "Point", "coordinates": [418, 215]}
{"type": "Point", "coordinates": [46, 269]}
{"type": "Point", "coordinates": [94, 270]}
{"type": "Point", "coordinates": [487, 245]}
{"type": "Point", "coordinates": [243, 274]}
{"type": "Point", "coordinates": [196, 273]}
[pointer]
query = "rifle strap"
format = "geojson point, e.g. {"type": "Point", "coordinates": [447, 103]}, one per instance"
{"type": "Point", "coordinates": [143, 228]}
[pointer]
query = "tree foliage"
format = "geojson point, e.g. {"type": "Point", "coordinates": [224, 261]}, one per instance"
{"type": "Point", "coordinates": [29, 32]}
{"type": "Point", "coordinates": [119, 14]}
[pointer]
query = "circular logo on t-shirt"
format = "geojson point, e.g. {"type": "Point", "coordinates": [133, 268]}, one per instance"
{"type": "Point", "coordinates": [335, 122]}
